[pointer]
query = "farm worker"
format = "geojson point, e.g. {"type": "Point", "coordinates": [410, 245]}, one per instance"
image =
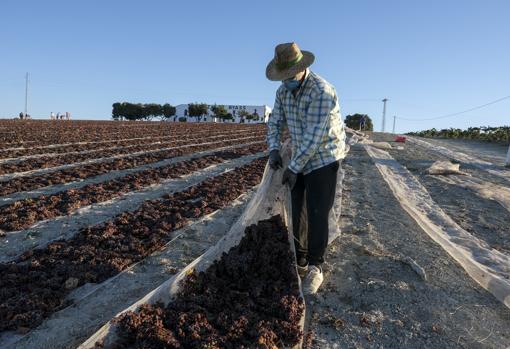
{"type": "Point", "coordinates": [508, 157]}
{"type": "Point", "coordinates": [308, 106]}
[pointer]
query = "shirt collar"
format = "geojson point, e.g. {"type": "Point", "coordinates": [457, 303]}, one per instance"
{"type": "Point", "coordinates": [303, 84]}
{"type": "Point", "coordinates": [307, 77]}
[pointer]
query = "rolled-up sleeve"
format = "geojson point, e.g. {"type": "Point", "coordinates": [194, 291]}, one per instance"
{"type": "Point", "coordinates": [275, 125]}
{"type": "Point", "coordinates": [318, 119]}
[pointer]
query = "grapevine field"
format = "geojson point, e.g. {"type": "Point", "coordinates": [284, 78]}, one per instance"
{"type": "Point", "coordinates": [483, 133]}
{"type": "Point", "coordinates": [96, 216]}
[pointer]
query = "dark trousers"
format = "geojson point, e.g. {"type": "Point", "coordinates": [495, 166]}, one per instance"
{"type": "Point", "coordinates": [320, 187]}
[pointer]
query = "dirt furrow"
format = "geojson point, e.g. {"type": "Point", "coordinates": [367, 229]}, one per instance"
{"type": "Point", "coordinates": [114, 162]}
{"type": "Point", "coordinates": [64, 147]}
{"type": "Point", "coordinates": [65, 227]}
{"type": "Point", "coordinates": [113, 174]}
{"type": "Point", "coordinates": [147, 143]}
{"type": "Point", "coordinates": [22, 214]}
{"type": "Point", "coordinates": [54, 161]}
{"type": "Point", "coordinates": [44, 133]}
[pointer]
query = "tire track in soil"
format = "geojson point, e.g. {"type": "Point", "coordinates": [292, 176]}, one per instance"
{"type": "Point", "coordinates": [55, 161]}
{"type": "Point", "coordinates": [22, 214]}
{"type": "Point", "coordinates": [137, 158]}
{"type": "Point", "coordinates": [38, 284]}
{"type": "Point", "coordinates": [66, 227]}
{"type": "Point", "coordinates": [95, 304]}
{"type": "Point", "coordinates": [113, 174]}
{"type": "Point", "coordinates": [372, 298]}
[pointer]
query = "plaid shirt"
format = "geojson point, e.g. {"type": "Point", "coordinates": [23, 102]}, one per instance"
{"type": "Point", "coordinates": [314, 122]}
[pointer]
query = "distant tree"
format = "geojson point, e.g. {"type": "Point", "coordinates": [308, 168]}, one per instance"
{"type": "Point", "coordinates": [138, 111]}
{"type": "Point", "coordinates": [220, 112]}
{"type": "Point", "coordinates": [254, 117]}
{"type": "Point", "coordinates": [133, 112]}
{"type": "Point", "coordinates": [353, 120]}
{"type": "Point", "coordinates": [197, 110]}
{"type": "Point", "coordinates": [116, 111]}
{"type": "Point", "coordinates": [243, 114]}
{"type": "Point", "coordinates": [168, 111]}
{"type": "Point", "coordinates": [152, 110]}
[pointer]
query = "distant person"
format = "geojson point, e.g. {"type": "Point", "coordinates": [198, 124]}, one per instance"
{"type": "Point", "coordinates": [21, 115]}
{"type": "Point", "coordinates": [362, 122]}
{"type": "Point", "coordinates": [52, 116]}
{"type": "Point", "coordinates": [68, 115]}
{"type": "Point", "coordinates": [307, 105]}
{"type": "Point", "coordinates": [508, 157]}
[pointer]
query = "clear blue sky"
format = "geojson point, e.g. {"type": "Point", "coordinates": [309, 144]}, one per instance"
{"type": "Point", "coordinates": [428, 57]}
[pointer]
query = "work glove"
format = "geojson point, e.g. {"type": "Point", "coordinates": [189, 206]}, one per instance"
{"type": "Point", "coordinates": [275, 160]}
{"type": "Point", "coordinates": [289, 178]}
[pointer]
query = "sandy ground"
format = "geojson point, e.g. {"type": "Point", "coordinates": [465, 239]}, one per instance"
{"type": "Point", "coordinates": [484, 218]}
{"type": "Point", "coordinates": [372, 298]}
{"type": "Point", "coordinates": [491, 152]}
{"type": "Point", "coordinates": [462, 157]}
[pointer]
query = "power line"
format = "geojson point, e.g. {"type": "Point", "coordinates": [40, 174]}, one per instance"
{"type": "Point", "coordinates": [457, 113]}
{"type": "Point", "coordinates": [360, 100]}
{"type": "Point", "coordinates": [26, 94]}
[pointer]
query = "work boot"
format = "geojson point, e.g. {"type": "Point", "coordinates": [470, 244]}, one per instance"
{"type": "Point", "coordinates": [313, 280]}
{"type": "Point", "coordinates": [302, 267]}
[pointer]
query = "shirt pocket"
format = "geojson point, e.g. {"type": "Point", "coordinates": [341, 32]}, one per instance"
{"type": "Point", "coordinates": [304, 104]}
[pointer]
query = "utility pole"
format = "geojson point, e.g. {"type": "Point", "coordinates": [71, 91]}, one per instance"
{"type": "Point", "coordinates": [26, 94]}
{"type": "Point", "coordinates": [394, 118]}
{"type": "Point", "coordinates": [384, 115]}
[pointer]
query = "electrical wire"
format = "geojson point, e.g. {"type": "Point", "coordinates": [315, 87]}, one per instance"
{"type": "Point", "coordinates": [457, 113]}
{"type": "Point", "coordinates": [360, 100]}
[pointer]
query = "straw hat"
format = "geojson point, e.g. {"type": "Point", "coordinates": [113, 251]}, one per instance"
{"type": "Point", "coordinates": [288, 61]}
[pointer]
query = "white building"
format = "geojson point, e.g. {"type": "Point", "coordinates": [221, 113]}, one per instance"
{"type": "Point", "coordinates": [262, 111]}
